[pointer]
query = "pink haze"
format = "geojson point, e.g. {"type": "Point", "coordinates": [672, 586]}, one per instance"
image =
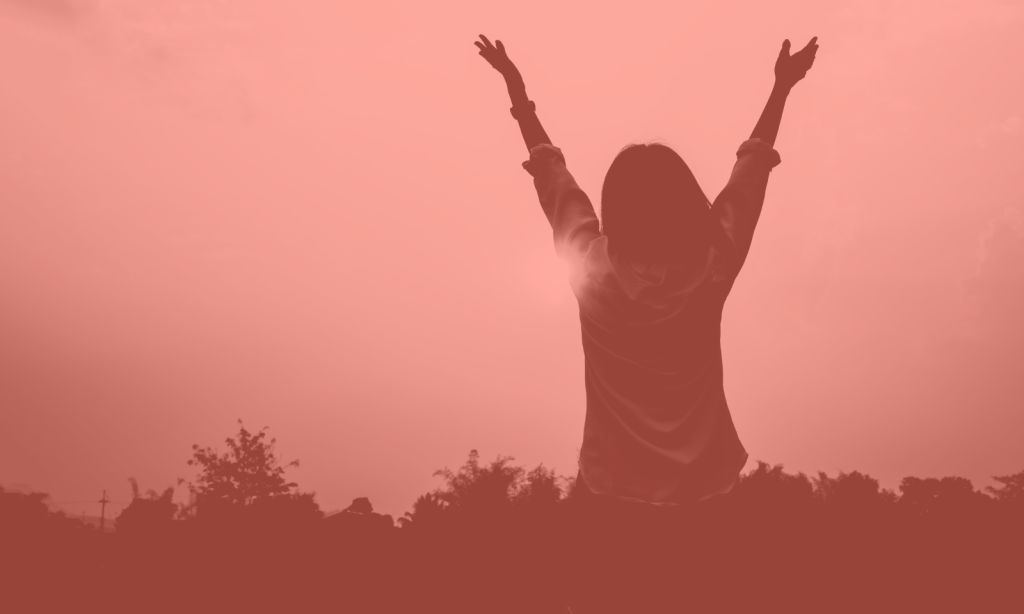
{"type": "Point", "coordinates": [314, 218]}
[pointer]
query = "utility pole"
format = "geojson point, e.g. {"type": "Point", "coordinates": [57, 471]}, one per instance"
{"type": "Point", "coordinates": [103, 510]}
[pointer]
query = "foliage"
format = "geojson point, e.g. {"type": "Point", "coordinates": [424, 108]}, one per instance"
{"type": "Point", "coordinates": [481, 492]}
{"type": "Point", "coordinates": [771, 487]}
{"type": "Point", "coordinates": [427, 511]}
{"type": "Point", "coordinates": [23, 509]}
{"type": "Point", "coordinates": [852, 492]}
{"type": "Point", "coordinates": [491, 539]}
{"type": "Point", "coordinates": [478, 489]}
{"type": "Point", "coordinates": [539, 490]}
{"type": "Point", "coordinates": [934, 499]}
{"type": "Point", "coordinates": [248, 477]}
{"type": "Point", "coordinates": [1011, 491]}
{"type": "Point", "coordinates": [150, 514]}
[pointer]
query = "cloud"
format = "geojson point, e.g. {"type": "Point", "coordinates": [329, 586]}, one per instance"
{"type": "Point", "coordinates": [194, 55]}
{"type": "Point", "coordinates": [1012, 126]}
{"type": "Point", "coordinates": [910, 23]}
{"type": "Point", "coordinates": [226, 254]}
{"type": "Point", "coordinates": [19, 487]}
{"type": "Point", "coordinates": [208, 247]}
{"type": "Point", "coordinates": [995, 293]}
{"type": "Point", "coordinates": [52, 12]}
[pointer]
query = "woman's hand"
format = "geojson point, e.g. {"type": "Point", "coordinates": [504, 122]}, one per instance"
{"type": "Point", "coordinates": [497, 58]}
{"type": "Point", "coordinates": [529, 125]}
{"type": "Point", "coordinates": [791, 68]}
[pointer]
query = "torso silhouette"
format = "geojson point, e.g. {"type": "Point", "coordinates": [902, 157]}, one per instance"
{"type": "Point", "coordinates": [658, 428]}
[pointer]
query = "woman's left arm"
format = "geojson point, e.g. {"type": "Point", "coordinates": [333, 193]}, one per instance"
{"type": "Point", "coordinates": [522, 108]}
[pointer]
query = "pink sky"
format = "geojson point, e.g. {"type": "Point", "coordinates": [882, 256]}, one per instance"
{"type": "Point", "coordinates": [315, 218]}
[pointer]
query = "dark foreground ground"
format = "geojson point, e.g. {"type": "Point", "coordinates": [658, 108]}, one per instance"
{"type": "Point", "coordinates": [749, 555]}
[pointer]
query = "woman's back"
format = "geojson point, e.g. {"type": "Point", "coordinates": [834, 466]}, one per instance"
{"type": "Point", "coordinates": [657, 425]}
{"type": "Point", "coordinates": [658, 428]}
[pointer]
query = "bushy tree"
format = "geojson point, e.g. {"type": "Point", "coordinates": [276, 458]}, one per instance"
{"type": "Point", "coordinates": [28, 514]}
{"type": "Point", "coordinates": [481, 490]}
{"type": "Point", "coordinates": [852, 492]}
{"type": "Point", "coordinates": [770, 489]}
{"type": "Point", "coordinates": [248, 478]}
{"type": "Point", "coordinates": [540, 490]}
{"type": "Point", "coordinates": [150, 514]}
{"type": "Point", "coordinates": [359, 517]}
{"type": "Point", "coordinates": [486, 492]}
{"type": "Point", "coordinates": [427, 512]}
{"type": "Point", "coordinates": [23, 510]}
{"type": "Point", "coordinates": [948, 498]}
{"type": "Point", "coordinates": [293, 509]}
{"type": "Point", "coordinates": [1010, 493]}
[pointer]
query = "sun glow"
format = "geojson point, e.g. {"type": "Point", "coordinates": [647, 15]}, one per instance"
{"type": "Point", "coordinates": [556, 272]}
{"type": "Point", "coordinates": [546, 276]}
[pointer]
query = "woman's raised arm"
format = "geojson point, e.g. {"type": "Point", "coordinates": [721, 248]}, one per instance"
{"type": "Point", "coordinates": [738, 206]}
{"type": "Point", "coordinates": [788, 70]}
{"type": "Point", "coordinates": [522, 108]}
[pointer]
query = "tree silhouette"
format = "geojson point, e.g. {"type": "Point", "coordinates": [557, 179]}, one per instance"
{"type": "Point", "coordinates": [493, 526]}
{"type": "Point", "coordinates": [949, 498]}
{"type": "Point", "coordinates": [1011, 491]}
{"type": "Point", "coordinates": [247, 477]}
{"type": "Point", "coordinates": [771, 489]}
{"type": "Point", "coordinates": [360, 517]}
{"type": "Point", "coordinates": [426, 512]}
{"type": "Point", "coordinates": [147, 515]}
{"type": "Point", "coordinates": [539, 490]}
{"type": "Point", "coordinates": [852, 492]}
{"type": "Point", "coordinates": [24, 510]}
{"type": "Point", "coordinates": [477, 491]}
{"type": "Point", "coordinates": [495, 537]}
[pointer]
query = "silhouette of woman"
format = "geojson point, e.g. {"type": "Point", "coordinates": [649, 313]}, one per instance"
{"type": "Point", "coordinates": [651, 280]}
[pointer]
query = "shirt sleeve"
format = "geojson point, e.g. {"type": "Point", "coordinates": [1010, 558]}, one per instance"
{"type": "Point", "coordinates": [568, 209]}
{"type": "Point", "coordinates": [738, 206]}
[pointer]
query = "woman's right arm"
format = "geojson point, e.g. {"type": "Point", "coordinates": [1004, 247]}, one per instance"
{"type": "Point", "coordinates": [523, 110]}
{"type": "Point", "coordinates": [567, 208]}
{"type": "Point", "coordinates": [788, 70]}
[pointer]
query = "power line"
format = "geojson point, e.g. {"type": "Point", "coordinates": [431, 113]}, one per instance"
{"type": "Point", "coordinates": [117, 501]}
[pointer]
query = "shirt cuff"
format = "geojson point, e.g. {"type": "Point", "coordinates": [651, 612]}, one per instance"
{"type": "Point", "coordinates": [540, 156]}
{"type": "Point", "coordinates": [761, 149]}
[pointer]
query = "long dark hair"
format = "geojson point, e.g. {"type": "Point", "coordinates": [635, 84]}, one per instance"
{"type": "Point", "coordinates": [652, 209]}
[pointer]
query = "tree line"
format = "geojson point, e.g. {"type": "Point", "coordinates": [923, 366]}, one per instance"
{"type": "Point", "coordinates": [496, 537]}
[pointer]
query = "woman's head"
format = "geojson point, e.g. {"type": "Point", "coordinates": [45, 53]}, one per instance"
{"type": "Point", "coordinates": [652, 209]}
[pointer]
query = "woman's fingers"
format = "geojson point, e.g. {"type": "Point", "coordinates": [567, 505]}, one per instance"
{"type": "Point", "coordinates": [811, 48]}
{"type": "Point", "coordinates": [495, 56]}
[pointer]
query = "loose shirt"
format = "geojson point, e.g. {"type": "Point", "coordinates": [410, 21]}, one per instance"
{"type": "Point", "coordinates": [657, 428]}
